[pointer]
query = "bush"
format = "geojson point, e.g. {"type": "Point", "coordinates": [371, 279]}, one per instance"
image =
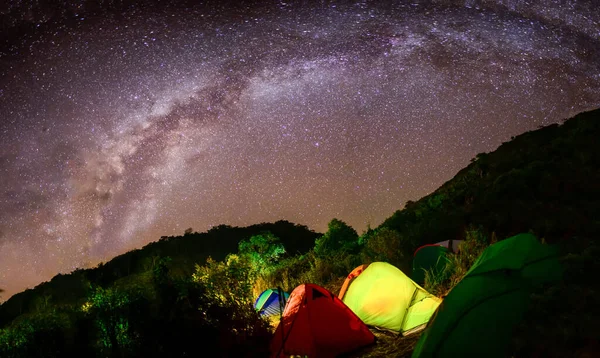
{"type": "Point", "coordinates": [228, 283]}
{"type": "Point", "coordinates": [287, 274]}
{"type": "Point", "coordinates": [43, 334]}
{"type": "Point", "coordinates": [326, 271]}
{"type": "Point", "coordinates": [387, 245]}
{"type": "Point", "coordinates": [339, 238]}
{"type": "Point", "coordinates": [262, 252]}
{"type": "Point", "coordinates": [476, 240]}
{"type": "Point", "coordinates": [563, 316]}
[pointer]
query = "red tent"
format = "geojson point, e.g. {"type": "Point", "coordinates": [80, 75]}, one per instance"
{"type": "Point", "coordinates": [316, 323]}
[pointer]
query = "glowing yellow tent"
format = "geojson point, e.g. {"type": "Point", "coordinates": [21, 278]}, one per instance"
{"type": "Point", "coordinates": [383, 296]}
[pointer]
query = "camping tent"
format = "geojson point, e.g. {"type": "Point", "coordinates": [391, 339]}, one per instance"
{"type": "Point", "coordinates": [427, 258]}
{"type": "Point", "coordinates": [315, 323]}
{"type": "Point", "coordinates": [451, 245]}
{"type": "Point", "coordinates": [351, 276]}
{"type": "Point", "coordinates": [477, 317]}
{"type": "Point", "coordinates": [383, 296]}
{"type": "Point", "coordinates": [271, 302]}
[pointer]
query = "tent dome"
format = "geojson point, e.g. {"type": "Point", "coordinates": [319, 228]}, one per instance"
{"type": "Point", "coordinates": [271, 302]}
{"type": "Point", "coordinates": [383, 296]}
{"type": "Point", "coordinates": [315, 323]}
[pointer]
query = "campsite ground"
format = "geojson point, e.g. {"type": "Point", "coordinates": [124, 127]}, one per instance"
{"type": "Point", "coordinates": [388, 344]}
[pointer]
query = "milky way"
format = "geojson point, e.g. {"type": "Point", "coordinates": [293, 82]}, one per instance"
{"type": "Point", "coordinates": [118, 127]}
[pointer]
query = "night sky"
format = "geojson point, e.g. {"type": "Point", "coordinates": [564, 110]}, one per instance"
{"type": "Point", "coordinates": [120, 123]}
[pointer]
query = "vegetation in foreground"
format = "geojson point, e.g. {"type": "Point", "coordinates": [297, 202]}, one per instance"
{"type": "Point", "coordinates": [168, 299]}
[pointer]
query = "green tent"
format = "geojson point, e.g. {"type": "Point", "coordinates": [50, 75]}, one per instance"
{"type": "Point", "coordinates": [383, 296]}
{"type": "Point", "coordinates": [428, 258]}
{"type": "Point", "coordinates": [477, 317]}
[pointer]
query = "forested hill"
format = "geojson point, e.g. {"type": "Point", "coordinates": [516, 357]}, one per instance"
{"type": "Point", "coordinates": [546, 181]}
{"type": "Point", "coordinates": [184, 252]}
{"type": "Point", "coordinates": [155, 299]}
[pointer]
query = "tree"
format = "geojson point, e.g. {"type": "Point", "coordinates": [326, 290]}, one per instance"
{"type": "Point", "coordinates": [227, 283]}
{"type": "Point", "coordinates": [160, 270]}
{"type": "Point", "coordinates": [386, 245]}
{"type": "Point", "coordinates": [339, 238]}
{"type": "Point", "coordinates": [110, 310]}
{"type": "Point", "coordinates": [262, 251]}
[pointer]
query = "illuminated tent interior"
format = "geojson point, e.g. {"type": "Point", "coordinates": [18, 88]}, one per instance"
{"type": "Point", "coordinates": [383, 296]}
{"type": "Point", "coordinates": [271, 302]}
{"type": "Point", "coordinates": [315, 323]}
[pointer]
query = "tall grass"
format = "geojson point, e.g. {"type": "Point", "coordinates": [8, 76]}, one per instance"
{"type": "Point", "coordinates": [328, 272]}
{"type": "Point", "coordinates": [441, 282]}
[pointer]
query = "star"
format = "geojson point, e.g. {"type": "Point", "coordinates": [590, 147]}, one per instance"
{"type": "Point", "coordinates": [121, 124]}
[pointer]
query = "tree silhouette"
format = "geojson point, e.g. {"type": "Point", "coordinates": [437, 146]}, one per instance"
{"type": "Point", "coordinates": [340, 237]}
{"type": "Point", "coordinates": [385, 244]}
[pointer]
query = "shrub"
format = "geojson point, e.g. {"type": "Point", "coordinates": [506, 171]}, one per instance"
{"type": "Point", "coordinates": [339, 238]}
{"type": "Point", "coordinates": [43, 334]}
{"type": "Point", "coordinates": [262, 252]}
{"type": "Point", "coordinates": [227, 283]}
{"type": "Point", "coordinates": [563, 316]}
{"type": "Point", "coordinates": [476, 240]}
{"type": "Point", "coordinates": [385, 245]}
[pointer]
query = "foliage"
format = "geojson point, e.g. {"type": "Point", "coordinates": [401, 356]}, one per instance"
{"type": "Point", "coordinates": [328, 271]}
{"type": "Point", "coordinates": [286, 274]}
{"type": "Point", "coordinates": [185, 251]}
{"type": "Point", "coordinates": [262, 251]}
{"type": "Point", "coordinates": [339, 238]}
{"type": "Point", "coordinates": [29, 335]}
{"type": "Point", "coordinates": [545, 181]}
{"type": "Point", "coordinates": [111, 312]}
{"type": "Point", "coordinates": [160, 270]}
{"type": "Point", "coordinates": [440, 282]}
{"type": "Point", "coordinates": [563, 319]}
{"type": "Point", "coordinates": [128, 322]}
{"type": "Point", "coordinates": [387, 245]}
{"type": "Point", "coordinates": [228, 283]}
{"type": "Point", "coordinates": [162, 299]}
{"type": "Point", "coordinates": [335, 254]}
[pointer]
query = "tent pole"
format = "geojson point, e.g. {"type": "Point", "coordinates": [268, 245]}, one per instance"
{"type": "Point", "coordinates": [412, 298]}
{"type": "Point", "coordinates": [279, 292]}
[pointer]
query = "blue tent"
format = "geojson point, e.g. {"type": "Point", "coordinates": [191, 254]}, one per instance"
{"type": "Point", "coordinates": [271, 302]}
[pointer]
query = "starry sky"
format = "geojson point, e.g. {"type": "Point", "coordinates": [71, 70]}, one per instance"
{"type": "Point", "coordinates": [122, 121]}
